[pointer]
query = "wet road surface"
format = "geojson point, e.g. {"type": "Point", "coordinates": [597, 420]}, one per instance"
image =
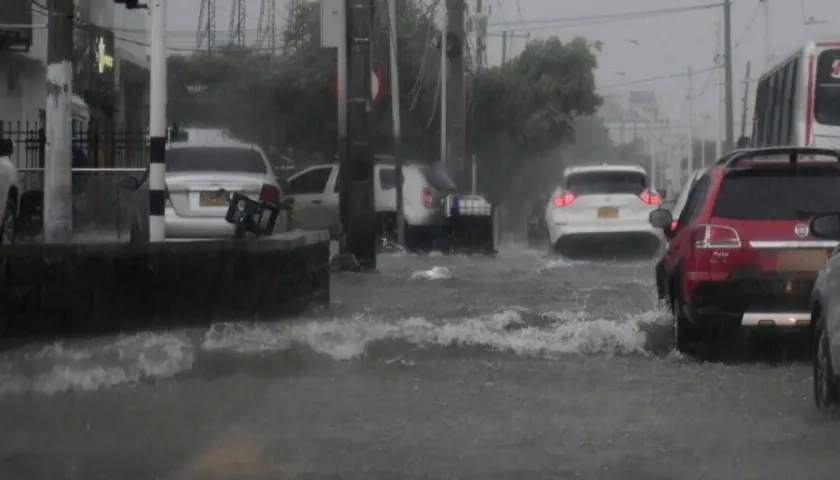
{"type": "Point", "coordinates": [522, 366]}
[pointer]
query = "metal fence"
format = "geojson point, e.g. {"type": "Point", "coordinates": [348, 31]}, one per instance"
{"type": "Point", "coordinates": [104, 147]}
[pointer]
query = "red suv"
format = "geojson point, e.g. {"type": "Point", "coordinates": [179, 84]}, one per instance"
{"type": "Point", "coordinates": [740, 255]}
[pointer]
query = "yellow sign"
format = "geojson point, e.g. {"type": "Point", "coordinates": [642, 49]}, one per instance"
{"type": "Point", "coordinates": [103, 60]}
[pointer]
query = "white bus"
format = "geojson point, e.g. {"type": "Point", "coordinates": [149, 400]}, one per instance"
{"type": "Point", "coordinates": [798, 101]}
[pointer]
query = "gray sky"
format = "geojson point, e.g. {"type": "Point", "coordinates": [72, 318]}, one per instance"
{"type": "Point", "coordinates": [634, 49]}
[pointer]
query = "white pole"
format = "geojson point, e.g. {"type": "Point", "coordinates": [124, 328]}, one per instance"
{"type": "Point", "coordinates": [690, 100]}
{"type": "Point", "coordinates": [58, 176]}
{"type": "Point", "coordinates": [653, 171]}
{"type": "Point", "coordinates": [474, 175]}
{"type": "Point", "coordinates": [443, 89]}
{"type": "Point", "coordinates": [720, 97]}
{"type": "Point", "coordinates": [157, 123]}
{"type": "Point", "coordinates": [395, 117]}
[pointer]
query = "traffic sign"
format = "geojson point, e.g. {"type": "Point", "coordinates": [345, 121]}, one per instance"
{"type": "Point", "coordinates": [376, 83]}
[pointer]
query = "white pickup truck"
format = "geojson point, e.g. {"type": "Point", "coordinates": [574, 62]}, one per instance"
{"type": "Point", "coordinates": [9, 193]}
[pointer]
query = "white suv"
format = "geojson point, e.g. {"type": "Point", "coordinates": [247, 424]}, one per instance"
{"type": "Point", "coordinates": [603, 208]}
{"type": "Point", "coordinates": [9, 193]}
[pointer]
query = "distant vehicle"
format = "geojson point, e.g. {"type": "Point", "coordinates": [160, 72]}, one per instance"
{"type": "Point", "coordinates": [201, 173]}
{"type": "Point", "coordinates": [9, 193]}
{"type": "Point", "coordinates": [429, 197]}
{"type": "Point", "coordinates": [798, 100]}
{"type": "Point", "coordinates": [825, 315]}
{"type": "Point", "coordinates": [741, 255]}
{"type": "Point", "coordinates": [604, 208]}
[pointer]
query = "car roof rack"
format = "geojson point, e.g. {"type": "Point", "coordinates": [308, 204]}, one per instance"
{"type": "Point", "coordinates": [734, 157]}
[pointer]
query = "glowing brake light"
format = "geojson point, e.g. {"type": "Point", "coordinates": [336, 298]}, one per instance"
{"type": "Point", "coordinates": [674, 224]}
{"type": "Point", "coordinates": [427, 198]}
{"type": "Point", "coordinates": [270, 194]}
{"type": "Point", "coordinates": [716, 236]}
{"type": "Point", "coordinates": [564, 199]}
{"type": "Point", "coordinates": [651, 198]}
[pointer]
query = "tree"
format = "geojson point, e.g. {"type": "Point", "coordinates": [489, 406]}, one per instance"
{"type": "Point", "coordinates": [520, 111]}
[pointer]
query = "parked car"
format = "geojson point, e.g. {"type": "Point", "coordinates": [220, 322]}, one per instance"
{"type": "Point", "coordinates": [201, 173]}
{"type": "Point", "coordinates": [9, 193]}
{"type": "Point", "coordinates": [825, 315]}
{"type": "Point", "coordinates": [679, 205]}
{"type": "Point", "coordinates": [603, 208]}
{"type": "Point", "coordinates": [428, 192]}
{"type": "Point", "coordinates": [741, 256]}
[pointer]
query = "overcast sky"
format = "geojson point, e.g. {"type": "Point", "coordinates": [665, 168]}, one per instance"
{"type": "Point", "coordinates": [634, 48]}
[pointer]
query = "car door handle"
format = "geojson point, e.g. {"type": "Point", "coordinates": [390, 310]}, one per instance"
{"type": "Point", "coordinates": [317, 202]}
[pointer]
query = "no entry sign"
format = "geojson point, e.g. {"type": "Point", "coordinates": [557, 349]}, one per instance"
{"type": "Point", "coordinates": [376, 83]}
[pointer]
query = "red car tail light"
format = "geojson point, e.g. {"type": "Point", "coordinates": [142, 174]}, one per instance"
{"type": "Point", "coordinates": [674, 224]}
{"type": "Point", "coordinates": [270, 194]}
{"type": "Point", "coordinates": [651, 198]}
{"type": "Point", "coordinates": [716, 236]}
{"type": "Point", "coordinates": [427, 197]}
{"type": "Point", "coordinates": [564, 199]}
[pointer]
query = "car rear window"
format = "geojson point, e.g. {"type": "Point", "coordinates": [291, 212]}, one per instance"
{"type": "Point", "coordinates": [215, 159]}
{"type": "Point", "coordinates": [594, 183]}
{"type": "Point", "coordinates": [774, 194]}
{"type": "Point", "coordinates": [438, 179]}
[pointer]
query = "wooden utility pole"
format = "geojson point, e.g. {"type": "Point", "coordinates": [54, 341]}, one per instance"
{"type": "Point", "coordinates": [456, 94]}
{"type": "Point", "coordinates": [727, 47]}
{"type": "Point", "coordinates": [745, 102]}
{"type": "Point", "coordinates": [58, 175]}
{"type": "Point", "coordinates": [356, 190]}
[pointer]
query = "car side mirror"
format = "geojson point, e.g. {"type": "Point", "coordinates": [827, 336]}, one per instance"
{"type": "Point", "coordinates": [7, 148]}
{"type": "Point", "coordinates": [661, 218]}
{"type": "Point", "coordinates": [825, 225]}
{"type": "Point", "coordinates": [129, 183]}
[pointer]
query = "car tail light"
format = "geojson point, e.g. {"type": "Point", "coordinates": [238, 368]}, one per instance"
{"type": "Point", "coordinates": [674, 224]}
{"type": "Point", "coordinates": [270, 194]}
{"type": "Point", "coordinates": [427, 197]}
{"type": "Point", "coordinates": [564, 199]}
{"type": "Point", "coordinates": [716, 236]}
{"type": "Point", "coordinates": [651, 198]}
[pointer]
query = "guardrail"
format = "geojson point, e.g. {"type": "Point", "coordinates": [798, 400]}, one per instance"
{"type": "Point", "coordinates": [100, 205]}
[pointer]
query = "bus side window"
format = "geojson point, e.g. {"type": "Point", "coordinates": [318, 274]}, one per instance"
{"type": "Point", "coordinates": [785, 119]}
{"type": "Point", "coordinates": [794, 93]}
{"type": "Point", "coordinates": [761, 114]}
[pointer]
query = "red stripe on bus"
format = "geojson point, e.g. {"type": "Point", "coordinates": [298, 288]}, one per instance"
{"type": "Point", "coordinates": [809, 105]}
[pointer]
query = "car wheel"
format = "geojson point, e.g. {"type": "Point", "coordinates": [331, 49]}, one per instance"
{"type": "Point", "coordinates": [8, 226]}
{"type": "Point", "coordinates": [683, 335]}
{"type": "Point", "coordinates": [825, 380]}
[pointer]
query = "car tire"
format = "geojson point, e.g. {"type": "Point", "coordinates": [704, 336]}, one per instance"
{"type": "Point", "coordinates": [8, 224]}
{"type": "Point", "coordinates": [825, 379]}
{"type": "Point", "coordinates": [684, 337]}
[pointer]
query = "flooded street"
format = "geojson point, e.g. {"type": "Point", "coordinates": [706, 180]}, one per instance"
{"type": "Point", "coordinates": [520, 366]}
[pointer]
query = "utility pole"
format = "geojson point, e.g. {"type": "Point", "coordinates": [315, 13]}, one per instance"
{"type": "Point", "coordinates": [720, 95]}
{"type": "Point", "coordinates": [690, 100]}
{"type": "Point", "coordinates": [727, 46]}
{"type": "Point", "coordinates": [58, 174]}
{"type": "Point", "coordinates": [444, 96]}
{"type": "Point", "coordinates": [395, 118]}
{"type": "Point", "coordinates": [356, 191]}
{"type": "Point", "coordinates": [745, 102]}
{"type": "Point", "coordinates": [456, 94]}
{"type": "Point", "coordinates": [480, 26]}
{"type": "Point", "coordinates": [504, 47]}
{"type": "Point", "coordinates": [157, 122]}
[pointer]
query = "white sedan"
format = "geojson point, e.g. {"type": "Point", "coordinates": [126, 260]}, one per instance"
{"type": "Point", "coordinates": [604, 209]}
{"type": "Point", "coordinates": [9, 193]}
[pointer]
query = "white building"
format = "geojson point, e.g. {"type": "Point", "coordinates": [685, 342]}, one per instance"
{"type": "Point", "coordinates": [110, 60]}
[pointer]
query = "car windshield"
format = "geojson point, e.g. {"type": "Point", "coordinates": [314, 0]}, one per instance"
{"type": "Point", "coordinates": [606, 182]}
{"type": "Point", "coordinates": [778, 194]}
{"type": "Point", "coordinates": [215, 159]}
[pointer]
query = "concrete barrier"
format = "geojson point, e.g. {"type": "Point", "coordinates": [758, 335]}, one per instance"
{"type": "Point", "coordinates": [57, 291]}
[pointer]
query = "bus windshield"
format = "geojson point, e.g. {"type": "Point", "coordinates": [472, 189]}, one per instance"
{"type": "Point", "coordinates": [827, 94]}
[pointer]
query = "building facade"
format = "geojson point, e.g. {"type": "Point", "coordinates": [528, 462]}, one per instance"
{"type": "Point", "coordinates": [111, 71]}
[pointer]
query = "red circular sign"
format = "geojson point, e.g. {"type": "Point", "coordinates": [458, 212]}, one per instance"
{"type": "Point", "coordinates": [376, 85]}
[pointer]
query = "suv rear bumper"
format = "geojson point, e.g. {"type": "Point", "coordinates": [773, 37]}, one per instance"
{"type": "Point", "coordinates": [753, 301]}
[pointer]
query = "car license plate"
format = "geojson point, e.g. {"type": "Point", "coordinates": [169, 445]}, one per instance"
{"type": "Point", "coordinates": [607, 212]}
{"type": "Point", "coordinates": [801, 260]}
{"type": "Point", "coordinates": [213, 199]}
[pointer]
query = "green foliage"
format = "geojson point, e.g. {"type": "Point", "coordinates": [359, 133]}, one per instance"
{"type": "Point", "coordinates": [518, 111]}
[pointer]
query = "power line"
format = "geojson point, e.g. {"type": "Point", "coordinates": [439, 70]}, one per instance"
{"type": "Point", "coordinates": [657, 78]}
{"type": "Point", "coordinates": [749, 25]}
{"type": "Point", "coordinates": [633, 14]}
